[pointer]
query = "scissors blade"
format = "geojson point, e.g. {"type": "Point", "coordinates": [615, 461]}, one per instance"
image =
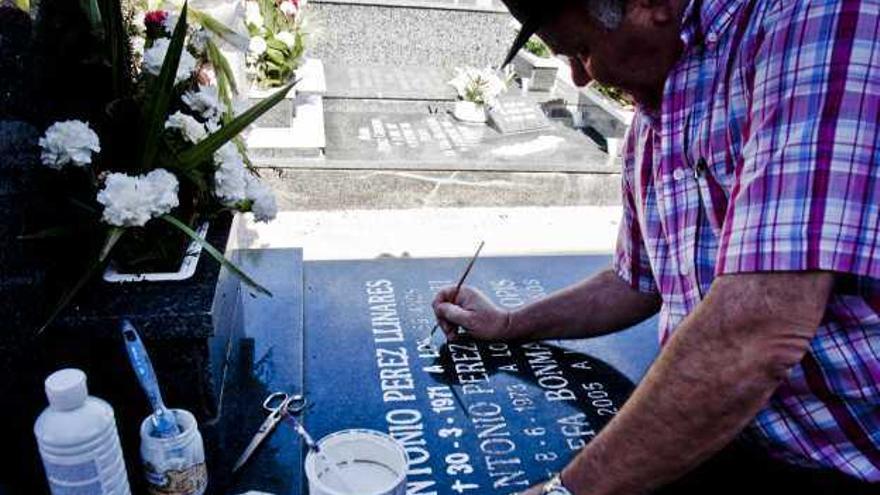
{"type": "Point", "coordinates": [256, 440]}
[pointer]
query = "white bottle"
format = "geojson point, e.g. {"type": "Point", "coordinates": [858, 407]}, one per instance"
{"type": "Point", "coordinates": [78, 439]}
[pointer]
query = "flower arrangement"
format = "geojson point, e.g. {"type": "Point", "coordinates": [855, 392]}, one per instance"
{"type": "Point", "coordinates": [277, 40]}
{"type": "Point", "coordinates": [166, 153]}
{"type": "Point", "coordinates": [479, 86]}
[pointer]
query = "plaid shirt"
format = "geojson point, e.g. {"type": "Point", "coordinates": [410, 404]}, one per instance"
{"type": "Point", "coordinates": [765, 157]}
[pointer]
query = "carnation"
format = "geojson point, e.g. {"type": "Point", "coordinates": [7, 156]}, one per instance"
{"type": "Point", "coordinates": [170, 22]}
{"type": "Point", "coordinates": [155, 19]}
{"type": "Point", "coordinates": [154, 57]}
{"type": "Point", "coordinates": [257, 46]}
{"type": "Point", "coordinates": [205, 101]}
{"type": "Point", "coordinates": [68, 142]}
{"type": "Point", "coordinates": [287, 38]}
{"type": "Point", "coordinates": [263, 204]}
{"type": "Point", "coordinates": [131, 201]}
{"type": "Point", "coordinates": [191, 129]}
{"type": "Point", "coordinates": [288, 8]}
{"type": "Point", "coordinates": [252, 16]}
{"type": "Point", "coordinates": [230, 183]}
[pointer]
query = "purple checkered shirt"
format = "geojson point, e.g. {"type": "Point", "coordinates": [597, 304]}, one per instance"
{"type": "Point", "coordinates": [765, 157]}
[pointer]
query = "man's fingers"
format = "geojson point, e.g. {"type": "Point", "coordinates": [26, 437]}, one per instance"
{"type": "Point", "coordinates": [453, 314]}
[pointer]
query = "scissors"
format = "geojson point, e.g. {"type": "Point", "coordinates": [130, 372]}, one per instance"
{"type": "Point", "coordinates": [279, 405]}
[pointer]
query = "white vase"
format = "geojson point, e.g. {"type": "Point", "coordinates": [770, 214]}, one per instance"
{"type": "Point", "coordinates": [187, 266]}
{"type": "Point", "coordinates": [468, 111]}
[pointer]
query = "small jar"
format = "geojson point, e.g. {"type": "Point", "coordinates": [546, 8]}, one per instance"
{"type": "Point", "coordinates": [175, 465]}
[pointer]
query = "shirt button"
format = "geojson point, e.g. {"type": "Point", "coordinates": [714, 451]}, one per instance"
{"type": "Point", "coordinates": [678, 174]}
{"type": "Point", "coordinates": [712, 38]}
{"type": "Point", "coordinates": [685, 269]}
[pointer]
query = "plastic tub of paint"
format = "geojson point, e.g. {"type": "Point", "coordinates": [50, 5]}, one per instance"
{"type": "Point", "coordinates": [357, 462]}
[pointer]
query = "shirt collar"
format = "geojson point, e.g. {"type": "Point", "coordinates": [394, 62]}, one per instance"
{"type": "Point", "coordinates": [706, 20]}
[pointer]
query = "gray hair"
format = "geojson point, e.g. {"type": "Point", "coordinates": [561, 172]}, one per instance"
{"type": "Point", "coordinates": [609, 13]}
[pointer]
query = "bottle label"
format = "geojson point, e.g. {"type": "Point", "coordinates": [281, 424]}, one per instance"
{"type": "Point", "coordinates": [71, 473]}
{"type": "Point", "coordinates": [190, 481]}
{"type": "Point", "coordinates": [93, 488]}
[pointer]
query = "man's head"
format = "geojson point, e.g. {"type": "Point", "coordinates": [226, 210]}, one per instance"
{"type": "Point", "coordinates": [631, 44]}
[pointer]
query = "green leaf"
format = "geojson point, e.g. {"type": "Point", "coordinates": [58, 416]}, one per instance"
{"type": "Point", "coordinates": [216, 254]}
{"type": "Point", "coordinates": [24, 5]}
{"type": "Point", "coordinates": [156, 108]}
{"type": "Point", "coordinates": [205, 149]}
{"type": "Point", "coordinates": [218, 28]}
{"type": "Point", "coordinates": [116, 43]}
{"type": "Point", "coordinates": [113, 237]}
{"type": "Point", "coordinates": [221, 65]}
{"type": "Point", "coordinates": [50, 233]}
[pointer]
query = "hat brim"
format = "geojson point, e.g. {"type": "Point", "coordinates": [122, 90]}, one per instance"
{"type": "Point", "coordinates": [529, 28]}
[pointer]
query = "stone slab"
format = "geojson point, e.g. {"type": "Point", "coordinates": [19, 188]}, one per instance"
{"type": "Point", "coordinates": [378, 81]}
{"type": "Point", "coordinates": [420, 140]}
{"type": "Point", "coordinates": [304, 138]}
{"type": "Point", "coordinates": [267, 353]}
{"type": "Point", "coordinates": [511, 414]}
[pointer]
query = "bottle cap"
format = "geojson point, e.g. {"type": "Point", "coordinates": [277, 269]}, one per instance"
{"type": "Point", "coordinates": [66, 389]}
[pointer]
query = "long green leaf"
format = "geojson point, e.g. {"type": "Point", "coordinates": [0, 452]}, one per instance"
{"type": "Point", "coordinates": [216, 254]}
{"type": "Point", "coordinates": [226, 33]}
{"type": "Point", "coordinates": [205, 149]}
{"type": "Point", "coordinates": [24, 5]}
{"type": "Point", "coordinates": [112, 239]}
{"type": "Point", "coordinates": [221, 65]}
{"type": "Point", "coordinates": [156, 107]}
{"type": "Point", "coordinates": [116, 44]}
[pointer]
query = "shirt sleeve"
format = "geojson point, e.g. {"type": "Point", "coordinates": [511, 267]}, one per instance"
{"type": "Point", "coordinates": [631, 261]}
{"type": "Point", "coordinates": [807, 191]}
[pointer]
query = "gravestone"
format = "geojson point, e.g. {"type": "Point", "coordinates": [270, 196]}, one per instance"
{"type": "Point", "coordinates": [512, 114]}
{"type": "Point", "coordinates": [473, 417]}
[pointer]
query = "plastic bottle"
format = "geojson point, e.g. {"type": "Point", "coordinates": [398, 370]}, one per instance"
{"type": "Point", "coordinates": [78, 441]}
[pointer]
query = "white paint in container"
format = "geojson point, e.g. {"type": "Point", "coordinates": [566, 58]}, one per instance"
{"type": "Point", "coordinates": [370, 463]}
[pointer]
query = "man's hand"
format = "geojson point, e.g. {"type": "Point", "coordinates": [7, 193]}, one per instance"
{"type": "Point", "coordinates": [472, 311]}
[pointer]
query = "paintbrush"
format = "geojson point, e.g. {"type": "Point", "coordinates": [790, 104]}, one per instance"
{"type": "Point", "coordinates": [457, 288]}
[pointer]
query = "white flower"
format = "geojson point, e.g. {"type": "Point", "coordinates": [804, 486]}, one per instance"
{"type": "Point", "coordinates": [288, 8]}
{"type": "Point", "coordinates": [230, 184]}
{"type": "Point", "coordinates": [257, 46]}
{"type": "Point", "coordinates": [205, 101]}
{"type": "Point", "coordinates": [170, 22]}
{"type": "Point", "coordinates": [191, 129]}
{"type": "Point", "coordinates": [478, 86]}
{"type": "Point", "coordinates": [132, 201]}
{"type": "Point", "coordinates": [263, 204]}
{"type": "Point", "coordinates": [213, 125]}
{"type": "Point", "coordinates": [252, 16]}
{"type": "Point", "coordinates": [155, 56]}
{"type": "Point", "coordinates": [69, 142]}
{"type": "Point", "coordinates": [287, 38]}
{"type": "Point", "coordinates": [137, 45]}
{"type": "Point", "coordinates": [199, 40]}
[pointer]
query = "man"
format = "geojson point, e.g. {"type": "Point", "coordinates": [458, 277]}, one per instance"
{"type": "Point", "coordinates": [751, 193]}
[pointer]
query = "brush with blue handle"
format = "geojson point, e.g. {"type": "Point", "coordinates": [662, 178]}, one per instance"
{"type": "Point", "coordinates": [164, 423]}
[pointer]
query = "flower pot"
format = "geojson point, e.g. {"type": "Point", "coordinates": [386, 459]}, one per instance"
{"type": "Point", "coordinates": [541, 72]}
{"type": "Point", "coordinates": [185, 271]}
{"type": "Point", "coordinates": [468, 111]}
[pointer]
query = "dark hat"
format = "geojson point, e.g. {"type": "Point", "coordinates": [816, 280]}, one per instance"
{"type": "Point", "coordinates": [533, 14]}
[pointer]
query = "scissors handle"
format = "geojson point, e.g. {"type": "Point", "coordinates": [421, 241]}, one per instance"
{"type": "Point", "coordinates": [280, 403]}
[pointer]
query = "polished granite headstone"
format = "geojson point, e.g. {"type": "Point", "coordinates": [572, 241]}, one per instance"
{"type": "Point", "coordinates": [474, 418]}
{"type": "Point", "coordinates": [421, 136]}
